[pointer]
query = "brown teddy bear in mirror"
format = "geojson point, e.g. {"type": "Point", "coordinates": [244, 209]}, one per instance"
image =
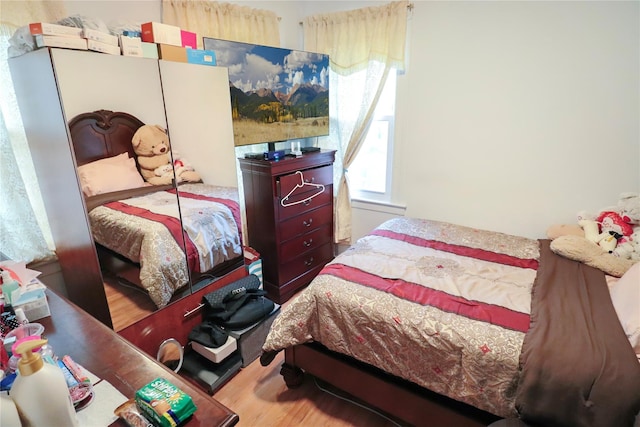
{"type": "Point", "coordinates": [151, 145]}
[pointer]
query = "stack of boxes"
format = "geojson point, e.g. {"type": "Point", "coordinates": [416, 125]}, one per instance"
{"type": "Point", "coordinates": [52, 35]}
{"type": "Point", "coordinates": [176, 44]}
{"type": "Point", "coordinates": [154, 40]}
{"type": "Point", "coordinates": [101, 42]}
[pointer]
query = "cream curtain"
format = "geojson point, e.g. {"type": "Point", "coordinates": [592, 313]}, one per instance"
{"type": "Point", "coordinates": [24, 230]}
{"type": "Point", "coordinates": [223, 21]}
{"type": "Point", "coordinates": [363, 46]}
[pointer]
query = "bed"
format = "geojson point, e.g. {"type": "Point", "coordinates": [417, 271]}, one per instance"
{"type": "Point", "coordinates": [439, 324]}
{"type": "Point", "coordinates": [157, 237]}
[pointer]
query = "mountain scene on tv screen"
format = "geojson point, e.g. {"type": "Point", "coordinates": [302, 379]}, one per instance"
{"type": "Point", "coordinates": [276, 94]}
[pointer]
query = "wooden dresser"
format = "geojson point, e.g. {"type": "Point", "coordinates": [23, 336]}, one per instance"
{"type": "Point", "coordinates": [72, 331]}
{"type": "Point", "coordinates": [294, 234]}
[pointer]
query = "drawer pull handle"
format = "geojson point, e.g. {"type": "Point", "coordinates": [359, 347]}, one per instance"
{"type": "Point", "coordinates": [307, 202]}
{"type": "Point", "coordinates": [309, 243]}
{"type": "Point", "coordinates": [310, 181]}
{"type": "Point", "coordinates": [307, 224]}
{"type": "Point", "coordinates": [190, 312]}
{"type": "Point", "coordinates": [308, 262]}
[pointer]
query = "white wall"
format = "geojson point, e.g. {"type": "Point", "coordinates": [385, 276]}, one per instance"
{"type": "Point", "coordinates": [511, 116]}
{"type": "Point", "coordinates": [517, 115]}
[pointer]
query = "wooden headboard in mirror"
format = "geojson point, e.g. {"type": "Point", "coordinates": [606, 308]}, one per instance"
{"type": "Point", "coordinates": [104, 134]}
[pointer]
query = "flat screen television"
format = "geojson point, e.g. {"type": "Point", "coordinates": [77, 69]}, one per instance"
{"type": "Point", "coordinates": [276, 94]}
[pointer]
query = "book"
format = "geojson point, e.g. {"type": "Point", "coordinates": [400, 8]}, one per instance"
{"type": "Point", "coordinates": [61, 41]}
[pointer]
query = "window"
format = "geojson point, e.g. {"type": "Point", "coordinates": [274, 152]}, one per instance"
{"type": "Point", "coordinates": [371, 171]}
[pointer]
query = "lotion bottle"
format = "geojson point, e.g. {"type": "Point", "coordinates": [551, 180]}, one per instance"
{"type": "Point", "coordinates": [40, 391]}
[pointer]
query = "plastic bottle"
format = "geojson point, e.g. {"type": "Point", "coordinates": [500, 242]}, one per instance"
{"type": "Point", "coordinates": [40, 391]}
{"type": "Point", "coordinates": [8, 286]}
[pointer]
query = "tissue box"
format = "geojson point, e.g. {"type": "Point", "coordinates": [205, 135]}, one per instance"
{"type": "Point", "coordinates": [131, 46]}
{"type": "Point", "coordinates": [172, 53]}
{"type": "Point", "coordinates": [202, 57]}
{"type": "Point", "coordinates": [189, 39]}
{"type": "Point", "coordinates": [34, 304]}
{"type": "Point", "coordinates": [60, 41]}
{"type": "Point", "coordinates": [103, 47]}
{"type": "Point", "coordinates": [155, 32]}
{"type": "Point", "coordinates": [54, 30]}
{"type": "Point", "coordinates": [100, 36]}
{"type": "Point", "coordinates": [149, 50]}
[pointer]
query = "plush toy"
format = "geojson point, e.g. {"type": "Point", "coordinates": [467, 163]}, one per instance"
{"type": "Point", "coordinates": [151, 145]}
{"type": "Point", "coordinates": [629, 208]}
{"type": "Point", "coordinates": [609, 241]}
{"type": "Point", "coordinates": [605, 239]}
{"type": "Point", "coordinates": [612, 222]}
{"type": "Point", "coordinates": [164, 170]}
{"type": "Point", "coordinates": [558, 230]}
{"type": "Point", "coordinates": [184, 171]}
{"type": "Point", "coordinates": [629, 246]}
{"type": "Point", "coordinates": [580, 249]}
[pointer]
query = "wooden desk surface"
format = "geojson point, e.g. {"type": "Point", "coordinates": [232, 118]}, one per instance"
{"type": "Point", "coordinates": [72, 331]}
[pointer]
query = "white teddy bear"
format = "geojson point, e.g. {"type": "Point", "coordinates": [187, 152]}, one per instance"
{"type": "Point", "coordinates": [164, 171]}
{"type": "Point", "coordinates": [629, 246]}
{"type": "Point", "coordinates": [629, 207]}
{"type": "Point", "coordinates": [184, 172]}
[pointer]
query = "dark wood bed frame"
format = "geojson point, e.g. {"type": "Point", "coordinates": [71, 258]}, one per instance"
{"type": "Point", "coordinates": [103, 133]}
{"type": "Point", "coordinates": [401, 400]}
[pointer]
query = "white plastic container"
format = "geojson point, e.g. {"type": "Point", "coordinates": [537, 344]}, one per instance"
{"type": "Point", "coordinates": [40, 391]}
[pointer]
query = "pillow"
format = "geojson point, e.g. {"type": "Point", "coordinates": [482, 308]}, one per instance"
{"type": "Point", "coordinates": [625, 295]}
{"type": "Point", "coordinates": [109, 174]}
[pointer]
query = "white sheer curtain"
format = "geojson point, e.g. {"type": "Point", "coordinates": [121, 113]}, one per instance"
{"type": "Point", "coordinates": [363, 46]}
{"type": "Point", "coordinates": [24, 231]}
{"type": "Point", "coordinates": [223, 21]}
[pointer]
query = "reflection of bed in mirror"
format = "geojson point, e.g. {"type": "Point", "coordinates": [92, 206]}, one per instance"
{"type": "Point", "coordinates": [160, 238]}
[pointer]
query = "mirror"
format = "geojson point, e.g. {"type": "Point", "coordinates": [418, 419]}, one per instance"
{"type": "Point", "coordinates": [203, 136]}
{"type": "Point", "coordinates": [171, 354]}
{"type": "Point", "coordinates": [192, 103]}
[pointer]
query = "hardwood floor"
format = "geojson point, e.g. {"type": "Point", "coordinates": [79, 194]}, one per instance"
{"type": "Point", "coordinates": [260, 397]}
{"type": "Point", "coordinates": [127, 304]}
{"type": "Point", "coordinates": [258, 394]}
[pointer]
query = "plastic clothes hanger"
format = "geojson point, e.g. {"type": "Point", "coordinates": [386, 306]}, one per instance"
{"type": "Point", "coordinates": [302, 184]}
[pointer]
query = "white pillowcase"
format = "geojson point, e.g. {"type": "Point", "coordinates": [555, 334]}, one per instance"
{"type": "Point", "coordinates": [625, 295]}
{"type": "Point", "coordinates": [110, 174]}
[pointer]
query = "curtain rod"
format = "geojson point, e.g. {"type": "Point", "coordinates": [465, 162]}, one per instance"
{"type": "Point", "coordinates": [409, 7]}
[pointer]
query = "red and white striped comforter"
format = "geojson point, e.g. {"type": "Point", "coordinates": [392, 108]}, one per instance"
{"type": "Point", "coordinates": [149, 230]}
{"type": "Point", "coordinates": [444, 306]}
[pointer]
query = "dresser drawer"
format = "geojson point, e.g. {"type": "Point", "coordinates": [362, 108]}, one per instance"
{"type": "Point", "coordinates": [304, 243]}
{"type": "Point", "coordinates": [305, 222]}
{"type": "Point", "coordinates": [319, 176]}
{"type": "Point", "coordinates": [309, 260]}
{"type": "Point", "coordinates": [324, 198]}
